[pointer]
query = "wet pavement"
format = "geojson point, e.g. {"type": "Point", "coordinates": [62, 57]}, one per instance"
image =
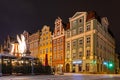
{"type": "Point", "coordinates": [66, 76]}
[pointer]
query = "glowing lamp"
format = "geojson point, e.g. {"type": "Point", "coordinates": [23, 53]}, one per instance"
{"type": "Point", "coordinates": [105, 63]}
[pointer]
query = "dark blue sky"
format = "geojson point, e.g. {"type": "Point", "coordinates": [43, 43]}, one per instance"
{"type": "Point", "coordinates": [19, 15]}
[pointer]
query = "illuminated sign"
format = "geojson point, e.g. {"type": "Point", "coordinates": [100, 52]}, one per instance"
{"type": "Point", "coordinates": [77, 62]}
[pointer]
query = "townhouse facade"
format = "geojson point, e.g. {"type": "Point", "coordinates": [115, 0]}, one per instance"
{"type": "Point", "coordinates": [33, 42]}
{"type": "Point", "coordinates": [45, 46]}
{"type": "Point", "coordinates": [89, 44]}
{"type": "Point", "coordinates": [58, 46]}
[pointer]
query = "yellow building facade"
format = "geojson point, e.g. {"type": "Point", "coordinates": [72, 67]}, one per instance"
{"type": "Point", "coordinates": [45, 45]}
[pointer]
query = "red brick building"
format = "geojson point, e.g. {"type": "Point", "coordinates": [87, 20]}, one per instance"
{"type": "Point", "coordinates": [58, 43]}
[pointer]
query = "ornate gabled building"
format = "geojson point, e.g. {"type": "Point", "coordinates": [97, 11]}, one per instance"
{"type": "Point", "coordinates": [90, 47]}
{"type": "Point", "coordinates": [45, 46]}
{"type": "Point", "coordinates": [33, 42]}
{"type": "Point", "coordinates": [58, 46]}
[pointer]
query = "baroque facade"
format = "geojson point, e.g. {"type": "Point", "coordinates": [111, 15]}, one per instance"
{"type": "Point", "coordinates": [33, 42]}
{"type": "Point", "coordinates": [45, 46]}
{"type": "Point", "coordinates": [89, 44]}
{"type": "Point", "coordinates": [58, 46]}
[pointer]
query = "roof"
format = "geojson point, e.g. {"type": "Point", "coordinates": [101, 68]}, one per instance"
{"type": "Point", "coordinates": [92, 15]}
{"type": "Point", "coordinates": [68, 26]}
{"type": "Point", "coordinates": [7, 55]}
{"type": "Point", "coordinates": [28, 57]}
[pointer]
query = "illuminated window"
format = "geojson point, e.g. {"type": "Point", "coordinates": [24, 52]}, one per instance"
{"type": "Point", "coordinates": [80, 67]}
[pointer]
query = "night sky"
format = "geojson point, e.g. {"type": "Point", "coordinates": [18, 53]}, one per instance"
{"type": "Point", "coordinates": [30, 15]}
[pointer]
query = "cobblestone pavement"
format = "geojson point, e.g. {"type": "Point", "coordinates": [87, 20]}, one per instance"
{"type": "Point", "coordinates": [66, 76]}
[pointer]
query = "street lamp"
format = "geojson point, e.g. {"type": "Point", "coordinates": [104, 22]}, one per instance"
{"type": "Point", "coordinates": [32, 66]}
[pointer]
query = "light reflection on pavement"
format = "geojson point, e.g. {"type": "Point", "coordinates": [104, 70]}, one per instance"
{"type": "Point", "coordinates": [66, 76]}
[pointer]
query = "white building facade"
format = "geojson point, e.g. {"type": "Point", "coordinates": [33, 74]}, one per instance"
{"type": "Point", "coordinates": [89, 46]}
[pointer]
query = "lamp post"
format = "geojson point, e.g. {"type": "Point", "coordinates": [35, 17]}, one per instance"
{"type": "Point", "coordinates": [32, 67]}
{"type": "Point", "coordinates": [0, 66]}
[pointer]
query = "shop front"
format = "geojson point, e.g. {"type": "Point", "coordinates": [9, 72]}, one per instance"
{"type": "Point", "coordinates": [77, 66]}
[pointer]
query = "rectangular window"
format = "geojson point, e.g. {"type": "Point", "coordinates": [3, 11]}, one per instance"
{"type": "Point", "coordinates": [54, 49]}
{"type": "Point", "coordinates": [74, 23]}
{"type": "Point", "coordinates": [54, 56]}
{"type": "Point", "coordinates": [61, 40]}
{"type": "Point", "coordinates": [46, 50]}
{"type": "Point", "coordinates": [58, 48]}
{"type": "Point", "coordinates": [88, 28]}
{"type": "Point", "coordinates": [80, 67]}
{"type": "Point", "coordinates": [74, 32]}
{"type": "Point", "coordinates": [46, 43]}
{"type": "Point", "coordinates": [74, 43]}
{"type": "Point", "coordinates": [50, 49]}
{"type": "Point", "coordinates": [40, 51]}
{"type": "Point", "coordinates": [80, 54]}
{"type": "Point", "coordinates": [87, 53]}
{"type": "Point", "coordinates": [54, 41]}
{"type": "Point", "coordinates": [46, 38]}
{"type": "Point", "coordinates": [87, 66]}
{"type": "Point", "coordinates": [88, 40]}
{"type": "Point", "coordinates": [58, 40]}
{"type": "Point", "coordinates": [74, 55]}
{"type": "Point", "coordinates": [68, 55]}
{"type": "Point", "coordinates": [68, 34]}
{"type": "Point", "coordinates": [61, 48]}
{"type": "Point", "coordinates": [80, 42]}
{"type": "Point", "coordinates": [68, 45]}
{"type": "Point", "coordinates": [43, 51]}
{"type": "Point", "coordinates": [80, 29]}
